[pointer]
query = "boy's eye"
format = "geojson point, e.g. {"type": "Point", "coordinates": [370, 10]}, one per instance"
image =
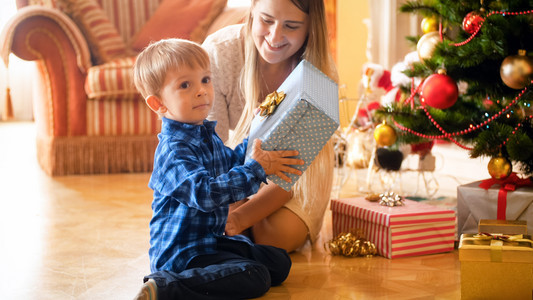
{"type": "Point", "coordinates": [185, 85]}
{"type": "Point", "coordinates": [206, 79]}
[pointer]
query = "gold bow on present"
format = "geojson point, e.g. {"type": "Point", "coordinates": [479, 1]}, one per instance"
{"type": "Point", "coordinates": [501, 237]}
{"type": "Point", "coordinates": [351, 244]}
{"type": "Point", "coordinates": [496, 242]}
{"type": "Point", "coordinates": [270, 103]}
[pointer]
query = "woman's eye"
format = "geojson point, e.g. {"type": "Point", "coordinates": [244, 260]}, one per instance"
{"type": "Point", "coordinates": [268, 21]}
{"type": "Point", "coordinates": [185, 85]}
{"type": "Point", "coordinates": [291, 27]}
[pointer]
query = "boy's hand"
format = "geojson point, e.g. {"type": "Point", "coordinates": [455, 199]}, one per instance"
{"type": "Point", "coordinates": [276, 162]}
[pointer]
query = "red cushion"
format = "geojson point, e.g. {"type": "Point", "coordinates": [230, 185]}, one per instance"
{"type": "Point", "coordinates": [104, 40]}
{"type": "Point", "coordinates": [179, 19]}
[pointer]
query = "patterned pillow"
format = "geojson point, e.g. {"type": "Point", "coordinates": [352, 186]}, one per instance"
{"type": "Point", "coordinates": [112, 80]}
{"type": "Point", "coordinates": [179, 19]}
{"type": "Point", "coordinates": [104, 40]}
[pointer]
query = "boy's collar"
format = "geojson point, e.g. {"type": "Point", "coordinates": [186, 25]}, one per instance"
{"type": "Point", "coordinates": [209, 125]}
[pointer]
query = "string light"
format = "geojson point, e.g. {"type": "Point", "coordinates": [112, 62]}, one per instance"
{"type": "Point", "coordinates": [503, 13]}
{"type": "Point", "coordinates": [471, 128]}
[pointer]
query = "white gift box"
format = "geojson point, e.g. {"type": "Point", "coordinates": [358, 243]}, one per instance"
{"type": "Point", "coordinates": [475, 203]}
{"type": "Point", "coordinates": [305, 120]}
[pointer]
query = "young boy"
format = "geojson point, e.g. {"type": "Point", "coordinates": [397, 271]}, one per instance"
{"type": "Point", "coordinates": [194, 180]}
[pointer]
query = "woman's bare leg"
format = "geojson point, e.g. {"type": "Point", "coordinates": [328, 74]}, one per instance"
{"type": "Point", "coordinates": [282, 229]}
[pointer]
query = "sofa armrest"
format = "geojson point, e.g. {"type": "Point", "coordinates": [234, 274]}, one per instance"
{"type": "Point", "coordinates": [50, 38]}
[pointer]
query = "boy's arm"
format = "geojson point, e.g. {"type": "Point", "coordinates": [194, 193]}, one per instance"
{"type": "Point", "coordinates": [187, 180]}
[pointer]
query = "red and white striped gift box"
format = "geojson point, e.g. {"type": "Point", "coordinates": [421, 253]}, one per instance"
{"type": "Point", "coordinates": [413, 229]}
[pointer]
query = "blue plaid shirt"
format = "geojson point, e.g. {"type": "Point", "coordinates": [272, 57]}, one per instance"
{"type": "Point", "coordinates": [194, 180]}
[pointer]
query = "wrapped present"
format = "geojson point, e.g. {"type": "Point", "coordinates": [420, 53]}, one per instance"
{"type": "Point", "coordinates": [492, 199]}
{"type": "Point", "coordinates": [503, 226]}
{"type": "Point", "coordinates": [496, 266]}
{"type": "Point", "coordinates": [411, 229]}
{"type": "Point", "coordinates": [301, 115]}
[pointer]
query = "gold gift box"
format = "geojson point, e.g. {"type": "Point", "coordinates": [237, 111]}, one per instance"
{"type": "Point", "coordinates": [503, 226]}
{"type": "Point", "coordinates": [496, 269]}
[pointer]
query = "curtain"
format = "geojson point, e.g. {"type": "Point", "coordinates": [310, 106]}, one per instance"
{"type": "Point", "coordinates": [387, 31]}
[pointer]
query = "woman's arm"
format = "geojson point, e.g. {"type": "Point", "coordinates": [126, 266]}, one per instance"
{"type": "Point", "coordinates": [227, 59]}
{"type": "Point", "coordinates": [220, 113]}
{"type": "Point", "coordinates": [268, 199]}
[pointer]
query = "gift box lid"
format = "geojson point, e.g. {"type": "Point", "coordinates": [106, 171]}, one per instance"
{"type": "Point", "coordinates": [309, 83]}
{"type": "Point", "coordinates": [305, 82]}
{"type": "Point", "coordinates": [478, 197]}
{"type": "Point", "coordinates": [502, 226]}
{"type": "Point", "coordinates": [517, 249]}
{"type": "Point", "coordinates": [411, 213]}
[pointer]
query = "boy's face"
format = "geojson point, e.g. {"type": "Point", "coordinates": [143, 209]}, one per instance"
{"type": "Point", "coordinates": [187, 95]}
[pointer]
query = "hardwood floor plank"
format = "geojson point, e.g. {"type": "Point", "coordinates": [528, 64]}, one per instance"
{"type": "Point", "coordinates": [86, 237]}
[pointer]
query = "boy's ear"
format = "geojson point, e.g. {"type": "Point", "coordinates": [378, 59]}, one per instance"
{"type": "Point", "coordinates": [155, 103]}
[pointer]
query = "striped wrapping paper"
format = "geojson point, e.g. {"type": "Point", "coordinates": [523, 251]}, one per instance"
{"type": "Point", "coordinates": [413, 229]}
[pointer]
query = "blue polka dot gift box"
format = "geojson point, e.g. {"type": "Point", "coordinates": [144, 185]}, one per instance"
{"type": "Point", "coordinates": [301, 115]}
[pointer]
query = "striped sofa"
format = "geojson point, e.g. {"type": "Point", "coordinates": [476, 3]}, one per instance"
{"type": "Point", "coordinates": [89, 117]}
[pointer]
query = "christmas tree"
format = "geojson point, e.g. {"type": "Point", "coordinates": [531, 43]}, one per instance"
{"type": "Point", "coordinates": [486, 48]}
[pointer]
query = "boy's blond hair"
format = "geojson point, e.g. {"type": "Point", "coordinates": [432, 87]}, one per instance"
{"type": "Point", "coordinates": [153, 63]}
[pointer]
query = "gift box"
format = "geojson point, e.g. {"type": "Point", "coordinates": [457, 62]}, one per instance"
{"type": "Point", "coordinates": [498, 202]}
{"type": "Point", "coordinates": [304, 120]}
{"type": "Point", "coordinates": [399, 231]}
{"type": "Point", "coordinates": [503, 226]}
{"type": "Point", "coordinates": [495, 269]}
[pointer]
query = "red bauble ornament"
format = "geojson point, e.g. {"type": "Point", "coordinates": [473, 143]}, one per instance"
{"type": "Point", "coordinates": [472, 21]}
{"type": "Point", "coordinates": [439, 91]}
{"type": "Point", "coordinates": [422, 148]}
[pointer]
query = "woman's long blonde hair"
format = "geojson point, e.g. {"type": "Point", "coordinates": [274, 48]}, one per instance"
{"type": "Point", "coordinates": [316, 51]}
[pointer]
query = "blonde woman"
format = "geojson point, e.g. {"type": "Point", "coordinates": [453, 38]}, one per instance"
{"type": "Point", "coordinates": [248, 62]}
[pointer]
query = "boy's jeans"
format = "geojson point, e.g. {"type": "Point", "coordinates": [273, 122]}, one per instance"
{"type": "Point", "coordinates": [237, 271]}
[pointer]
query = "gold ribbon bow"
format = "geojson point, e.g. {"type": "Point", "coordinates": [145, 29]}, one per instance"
{"type": "Point", "coordinates": [501, 237]}
{"type": "Point", "coordinates": [497, 242]}
{"type": "Point", "coordinates": [270, 103]}
{"type": "Point", "coordinates": [351, 244]}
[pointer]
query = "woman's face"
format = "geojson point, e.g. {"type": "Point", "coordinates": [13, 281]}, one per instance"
{"type": "Point", "coordinates": [279, 29]}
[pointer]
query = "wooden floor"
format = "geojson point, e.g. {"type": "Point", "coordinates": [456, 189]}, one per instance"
{"type": "Point", "coordinates": [86, 237]}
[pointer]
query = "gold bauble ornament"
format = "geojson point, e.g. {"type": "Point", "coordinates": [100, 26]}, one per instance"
{"type": "Point", "coordinates": [429, 24]}
{"type": "Point", "coordinates": [516, 70]}
{"type": "Point", "coordinates": [500, 167]}
{"type": "Point", "coordinates": [426, 45]}
{"type": "Point", "coordinates": [384, 135]}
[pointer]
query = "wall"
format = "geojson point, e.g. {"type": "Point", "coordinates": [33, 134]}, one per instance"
{"type": "Point", "coordinates": [369, 31]}
{"type": "Point", "coordinates": [352, 36]}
